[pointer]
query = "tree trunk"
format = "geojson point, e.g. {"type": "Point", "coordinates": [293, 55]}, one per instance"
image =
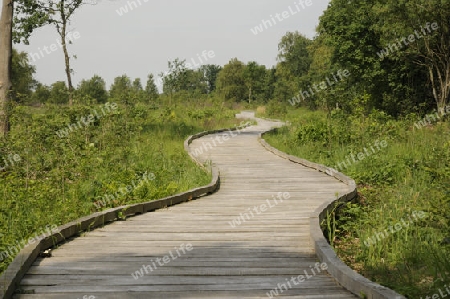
{"type": "Point", "coordinates": [437, 61]}
{"type": "Point", "coordinates": [62, 34]}
{"type": "Point", "coordinates": [68, 74]}
{"type": "Point", "coordinates": [5, 63]}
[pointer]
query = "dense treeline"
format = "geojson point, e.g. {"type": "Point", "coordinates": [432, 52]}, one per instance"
{"type": "Point", "coordinates": [397, 52]}
{"type": "Point", "coordinates": [396, 55]}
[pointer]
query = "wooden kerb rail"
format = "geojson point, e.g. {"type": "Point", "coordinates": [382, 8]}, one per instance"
{"type": "Point", "coordinates": [344, 275]}
{"type": "Point", "coordinates": [10, 279]}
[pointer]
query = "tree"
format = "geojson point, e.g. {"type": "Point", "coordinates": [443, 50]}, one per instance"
{"type": "Point", "coordinates": [137, 85]}
{"type": "Point", "coordinates": [196, 82]}
{"type": "Point", "coordinates": [254, 78]}
{"type": "Point", "coordinates": [21, 77]}
{"type": "Point", "coordinates": [430, 48]}
{"type": "Point", "coordinates": [41, 94]}
{"type": "Point", "coordinates": [137, 91]}
{"type": "Point", "coordinates": [6, 19]}
{"type": "Point", "coordinates": [293, 65]}
{"type": "Point", "coordinates": [59, 93]}
{"type": "Point", "coordinates": [210, 72]}
{"type": "Point", "coordinates": [150, 88]}
{"type": "Point", "coordinates": [358, 33]}
{"type": "Point", "coordinates": [94, 88]}
{"type": "Point", "coordinates": [286, 85]}
{"type": "Point", "coordinates": [293, 53]}
{"type": "Point", "coordinates": [321, 53]}
{"type": "Point", "coordinates": [321, 67]}
{"type": "Point", "coordinates": [230, 81]}
{"type": "Point", "coordinates": [175, 79]}
{"type": "Point", "coordinates": [182, 80]}
{"type": "Point", "coordinates": [36, 13]}
{"type": "Point", "coordinates": [269, 84]}
{"type": "Point", "coordinates": [121, 89]}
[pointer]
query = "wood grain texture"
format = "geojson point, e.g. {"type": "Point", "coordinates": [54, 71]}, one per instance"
{"type": "Point", "coordinates": [244, 261]}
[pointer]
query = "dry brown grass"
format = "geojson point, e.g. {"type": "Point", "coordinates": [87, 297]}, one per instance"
{"type": "Point", "coordinates": [261, 110]}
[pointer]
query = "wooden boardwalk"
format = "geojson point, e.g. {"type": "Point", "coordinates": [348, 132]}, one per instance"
{"type": "Point", "coordinates": [202, 254]}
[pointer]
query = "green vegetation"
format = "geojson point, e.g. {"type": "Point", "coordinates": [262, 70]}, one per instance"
{"type": "Point", "coordinates": [370, 125]}
{"type": "Point", "coordinates": [410, 175]}
{"type": "Point", "coordinates": [57, 180]}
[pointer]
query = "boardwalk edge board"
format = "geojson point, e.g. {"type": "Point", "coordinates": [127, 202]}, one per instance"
{"type": "Point", "coordinates": [344, 275]}
{"type": "Point", "coordinates": [10, 279]}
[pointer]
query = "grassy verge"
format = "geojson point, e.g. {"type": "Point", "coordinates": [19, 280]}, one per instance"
{"type": "Point", "coordinates": [397, 233]}
{"type": "Point", "coordinates": [52, 180]}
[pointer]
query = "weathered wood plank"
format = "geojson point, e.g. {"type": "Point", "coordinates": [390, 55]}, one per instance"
{"type": "Point", "coordinates": [329, 293]}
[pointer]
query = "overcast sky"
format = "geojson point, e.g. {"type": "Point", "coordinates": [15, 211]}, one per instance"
{"type": "Point", "coordinates": [142, 40]}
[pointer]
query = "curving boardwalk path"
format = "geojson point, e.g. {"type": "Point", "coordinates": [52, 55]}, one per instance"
{"type": "Point", "coordinates": [202, 254]}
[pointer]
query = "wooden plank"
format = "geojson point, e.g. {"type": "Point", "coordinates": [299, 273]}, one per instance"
{"type": "Point", "coordinates": [330, 293]}
{"type": "Point", "coordinates": [218, 286]}
{"type": "Point", "coordinates": [207, 294]}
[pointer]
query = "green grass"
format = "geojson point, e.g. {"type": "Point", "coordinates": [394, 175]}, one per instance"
{"type": "Point", "coordinates": [411, 174]}
{"type": "Point", "coordinates": [59, 179]}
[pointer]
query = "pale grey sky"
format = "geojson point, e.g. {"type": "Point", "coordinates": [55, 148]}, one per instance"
{"type": "Point", "coordinates": [142, 40]}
